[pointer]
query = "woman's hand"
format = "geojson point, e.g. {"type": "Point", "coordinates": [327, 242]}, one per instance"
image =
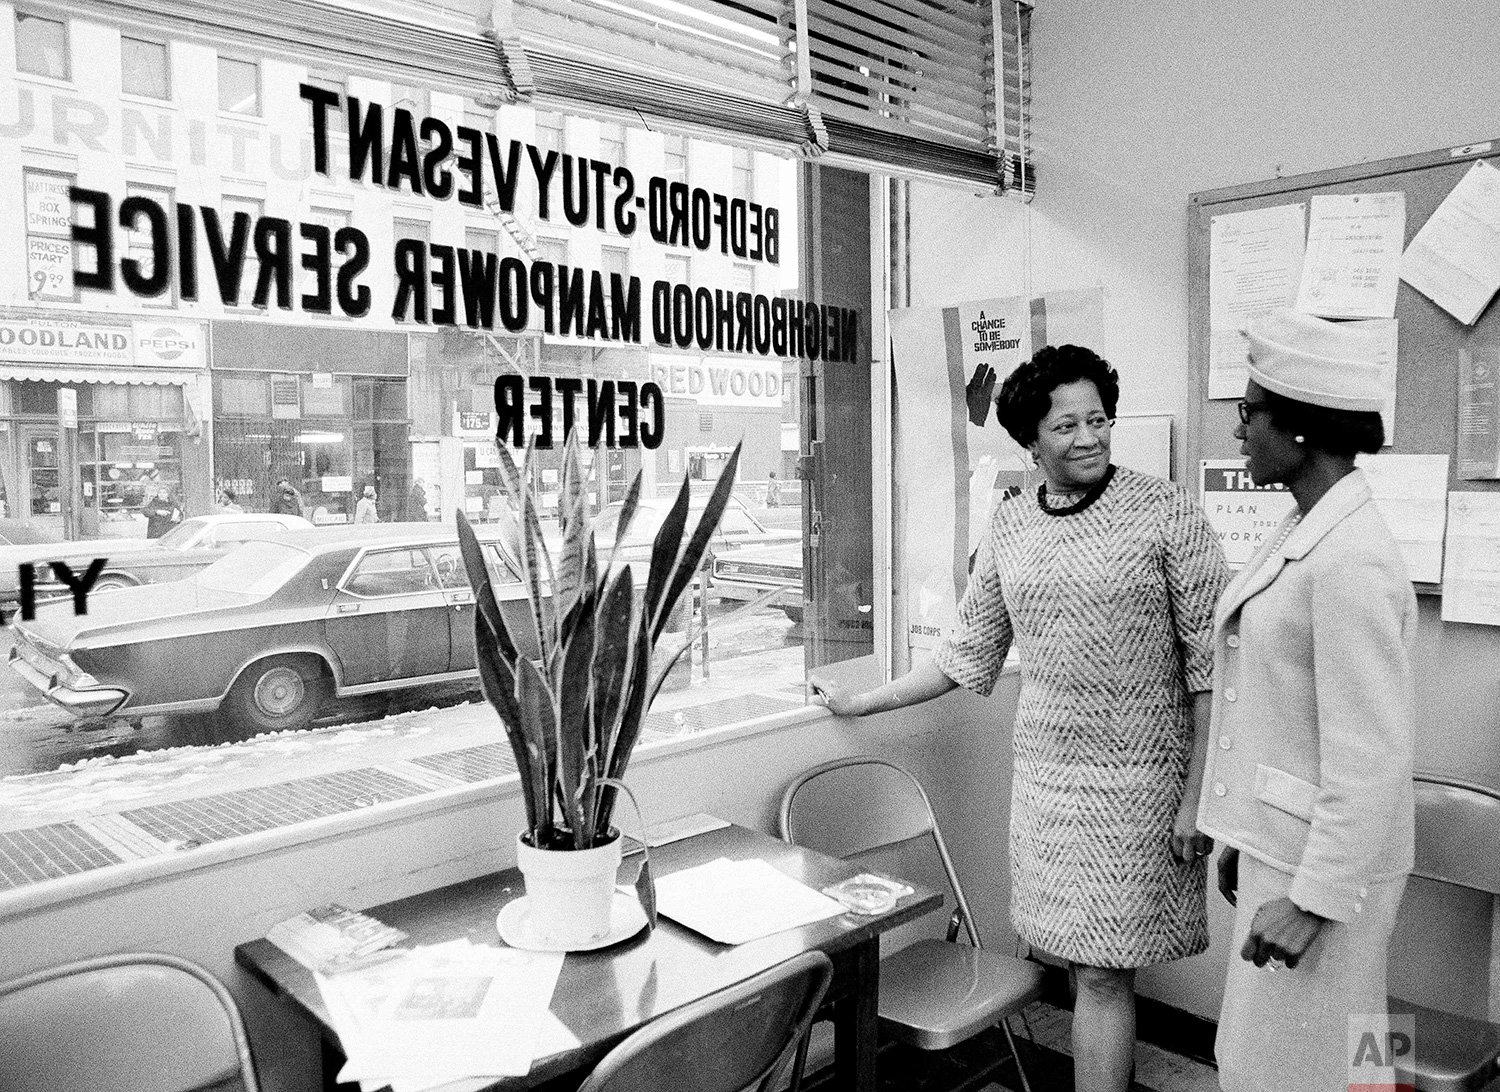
{"type": "Point", "coordinates": [839, 701]}
{"type": "Point", "coordinates": [1280, 930]}
{"type": "Point", "coordinates": [1229, 875]}
{"type": "Point", "coordinates": [1188, 843]}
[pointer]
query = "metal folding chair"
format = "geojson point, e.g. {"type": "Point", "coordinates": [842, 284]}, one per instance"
{"type": "Point", "coordinates": [144, 1021]}
{"type": "Point", "coordinates": [1458, 842]}
{"type": "Point", "coordinates": [933, 993]}
{"type": "Point", "coordinates": [736, 1039]}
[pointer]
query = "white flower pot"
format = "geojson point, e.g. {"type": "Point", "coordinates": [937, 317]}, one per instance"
{"type": "Point", "coordinates": [569, 891]}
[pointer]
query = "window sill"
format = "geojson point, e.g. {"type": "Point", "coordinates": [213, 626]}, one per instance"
{"type": "Point", "coordinates": [168, 864]}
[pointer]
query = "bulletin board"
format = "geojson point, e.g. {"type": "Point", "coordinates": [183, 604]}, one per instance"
{"type": "Point", "coordinates": [1430, 339]}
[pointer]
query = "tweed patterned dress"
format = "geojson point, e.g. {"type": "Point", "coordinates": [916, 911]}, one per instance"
{"type": "Point", "coordinates": [1111, 611]}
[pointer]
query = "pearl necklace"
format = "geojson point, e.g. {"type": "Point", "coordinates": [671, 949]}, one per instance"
{"type": "Point", "coordinates": [1285, 531]}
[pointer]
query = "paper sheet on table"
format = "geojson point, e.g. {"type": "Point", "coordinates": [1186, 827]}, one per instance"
{"type": "Point", "coordinates": [1455, 259]}
{"type": "Point", "coordinates": [442, 1013]}
{"type": "Point", "coordinates": [1353, 255]}
{"type": "Point", "coordinates": [554, 1037]}
{"type": "Point", "coordinates": [1254, 266]}
{"type": "Point", "coordinates": [738, 901]}
{"type": "Point", "coordinates": [1471, 566]}
{"type": "Point", "coordinates": [1411, 492]}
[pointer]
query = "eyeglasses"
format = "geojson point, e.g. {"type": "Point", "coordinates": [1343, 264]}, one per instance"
{"type": "Point", "coordinates": [1247, 409]}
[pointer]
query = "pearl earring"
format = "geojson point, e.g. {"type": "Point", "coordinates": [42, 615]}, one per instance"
{"type": "Point", "coordinates": [1300, 439]}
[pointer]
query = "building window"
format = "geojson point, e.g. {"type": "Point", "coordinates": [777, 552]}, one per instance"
{"type": "Point", "coordinates": [335, 220]}
{"type": "Point", "coordinates": [743, 185]}
{"type": "Point", "coordinates": [420, 231]}
{"type": "Point", "coordinates": [550, 131]}
{"type": "Point", "coordinates": [251, 207]}
{"type": "Point", "coordinates": [485, 242]}
{"type": "Point", "coordinates": [613, 259]}
{"type": "Point", "coordinates": [49, 246]}
{"type": "Point", "coordinates": [677, 268]}
{"type": "Point", "coordinates": [145, 68]}
{"type": "Point", "coordinates": [42, 46]}
{"type": "Point", "coordinates": [418, 100]}
{"type": "Point", "coordinates": [612, 143]}
{"type": "Point", "coordinates": [139, 243]}
{"type": "Point", "coordinates": [239, 86]}
{"type": "Point", "coordinates": [337, 118]}
{"type": "Point", "coordinates": [675, 159]}
{"type": "Point", "coordinates": [744, 277]}
{"type": "Point", "coordinates": [552, 250]}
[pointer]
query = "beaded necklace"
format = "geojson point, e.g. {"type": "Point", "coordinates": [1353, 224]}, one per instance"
{"type": "Point", "coordinates": [1285, 531]}
{"type": "Point", "coordinates": [1089, 496]}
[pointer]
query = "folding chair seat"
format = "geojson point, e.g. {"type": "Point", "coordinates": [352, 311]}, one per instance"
{"type": "Point", "coordinates": [1458, 843]}
{"type": "Point", "coordinates": [146, 1022]}
{"type": "Point", "coordinates": [934, 993]}
{"type": "Point", "coordinates": [736, 1039]}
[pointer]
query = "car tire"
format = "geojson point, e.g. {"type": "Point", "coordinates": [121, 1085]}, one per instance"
{"type": "Point", "coordinates": [111, 582]}
{"type": "Point", "coordinates": [278, 694]}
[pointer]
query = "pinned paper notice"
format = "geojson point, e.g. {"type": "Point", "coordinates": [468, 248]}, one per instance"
{"type": "Point", "coordinates": [1254, 265]}
{"type": "Point", "coordinates": [1353, 252]}
{"type": "Point", "coordinates": [1455, 259]}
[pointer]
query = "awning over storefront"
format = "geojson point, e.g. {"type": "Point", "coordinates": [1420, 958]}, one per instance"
{"type": "Point", "coordinates": [51, 373]}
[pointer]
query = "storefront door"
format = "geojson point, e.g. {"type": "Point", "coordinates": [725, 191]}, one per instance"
{"type": "Point", "coordinates": [38, 492]}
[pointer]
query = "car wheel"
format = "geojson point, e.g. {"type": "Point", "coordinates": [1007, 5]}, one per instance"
{"type": "Point", "coordinates": [111, 582]}
{"type": "Point", "coordinates": [793, 613]}
{"type": "Point", "coordinates": [279, 693]}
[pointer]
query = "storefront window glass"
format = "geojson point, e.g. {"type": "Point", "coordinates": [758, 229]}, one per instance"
{"type": "Point", "coordinates": [327, 344]}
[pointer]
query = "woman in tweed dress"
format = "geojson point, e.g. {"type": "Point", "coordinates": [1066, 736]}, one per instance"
{"type": "Point", "coordinates": [1105, 580]}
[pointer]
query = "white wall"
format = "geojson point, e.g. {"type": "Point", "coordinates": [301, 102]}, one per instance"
{"type": "Point", "coordinates": [1137, 106]}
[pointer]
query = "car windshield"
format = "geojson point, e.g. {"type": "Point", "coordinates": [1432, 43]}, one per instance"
{"type": "Point", "coordinates": [181, 536]}
{"type": "Point", "coordinates": [255, 569]}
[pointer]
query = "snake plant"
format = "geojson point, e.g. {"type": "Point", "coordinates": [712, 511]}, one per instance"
{"type": "Point", "coordinates": [574, 714]}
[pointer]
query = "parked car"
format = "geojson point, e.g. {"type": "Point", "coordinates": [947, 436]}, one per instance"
{"type": "Point", "coordinates": [270, 630]}
{"type": "Point", "coordinates": [737, 527]}
{"type": "Point", "coordinates": [747, 572]}
{"type": "Point", "coordinates": [190, 546]}
{"type": "Point", "coordinates": [22, 532]}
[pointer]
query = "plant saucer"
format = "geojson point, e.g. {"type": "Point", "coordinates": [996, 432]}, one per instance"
{"type": "Point", "coordinates": [516, 928]}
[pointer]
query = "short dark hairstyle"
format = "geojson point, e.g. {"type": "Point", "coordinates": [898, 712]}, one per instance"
{"type": "Point", "coordinates": [230, 493]}
{"type": "Point", "coordinates": [1026, 395]}
{"type": "Point", "coordinates": [1339, 432]}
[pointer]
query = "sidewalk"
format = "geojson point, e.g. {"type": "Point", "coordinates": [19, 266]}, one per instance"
{"type": "Point", "coordinates": [110, 810]}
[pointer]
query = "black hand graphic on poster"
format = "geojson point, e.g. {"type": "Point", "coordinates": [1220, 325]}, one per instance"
{"type": "Point", "coordinates": [980, 392]}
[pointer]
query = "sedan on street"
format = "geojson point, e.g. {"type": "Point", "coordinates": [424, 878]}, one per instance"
{"type": "Point", "coordinates": [268, 632]}
{"type": "Point", "coordinates": [190, 546]}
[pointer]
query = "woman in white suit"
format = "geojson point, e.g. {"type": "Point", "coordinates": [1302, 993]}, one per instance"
{"type": "Point", "coordinates": [1308, 781]}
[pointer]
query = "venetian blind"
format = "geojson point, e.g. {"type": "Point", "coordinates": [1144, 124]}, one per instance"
{"type": "Point", "coordinates": [929, 87]}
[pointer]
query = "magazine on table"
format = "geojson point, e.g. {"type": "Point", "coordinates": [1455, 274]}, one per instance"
{"type": "Point", "coordinates": [332, 938]}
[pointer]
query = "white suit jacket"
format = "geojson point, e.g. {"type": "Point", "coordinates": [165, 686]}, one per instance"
{"type": "Point", "coordinates": [1310, 758]}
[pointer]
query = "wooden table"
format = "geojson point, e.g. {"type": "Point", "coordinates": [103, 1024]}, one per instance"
{"type": "Point", "coordinates": [603, 996]}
